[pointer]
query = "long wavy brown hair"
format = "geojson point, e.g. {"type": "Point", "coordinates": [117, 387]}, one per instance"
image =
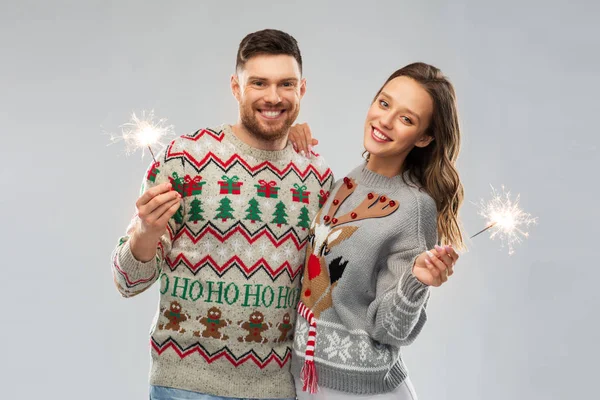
{"type": "Point", "coordinates": [434, 166]}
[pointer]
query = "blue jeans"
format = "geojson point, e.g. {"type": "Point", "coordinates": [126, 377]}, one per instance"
{"type": "Point", "coordinates": [167, 393]}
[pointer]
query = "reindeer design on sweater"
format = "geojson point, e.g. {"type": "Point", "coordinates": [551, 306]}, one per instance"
{"type": "Point", "coordinates": [319, 279]}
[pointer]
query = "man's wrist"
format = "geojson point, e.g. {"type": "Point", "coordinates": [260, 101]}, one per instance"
{"type": "Point", "coordinates": [142, 248]}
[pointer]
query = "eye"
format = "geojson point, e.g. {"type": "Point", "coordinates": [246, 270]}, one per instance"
{"type": "Point", "coordinates": [406, 120]}
{"type": "Point", "coordinates": [258, 83]}
{"type": "Point", "coordinates": [383, 103]}
{"type": "Point", "coordinates": [288, 84]}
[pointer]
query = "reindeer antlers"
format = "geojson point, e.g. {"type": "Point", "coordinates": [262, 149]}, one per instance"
{"type": "Point", "coordinates": [374, 206]}
{"type": "Point", "coordinates": [342, 194]}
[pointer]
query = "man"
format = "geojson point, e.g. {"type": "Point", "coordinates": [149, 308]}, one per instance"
{"type": "Point", "coordinates": [222, 226]}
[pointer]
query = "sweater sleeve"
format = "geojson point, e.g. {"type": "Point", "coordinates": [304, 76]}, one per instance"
{"type": "Point", "coordinates": [132, 277]}
{"type": "Point", "coordinates": [399, 312]}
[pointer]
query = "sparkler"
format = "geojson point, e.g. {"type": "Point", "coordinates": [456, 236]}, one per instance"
{"type": "Point", "coordinates": [143, 133]}
{"type": "Point", "coordinates": [506, 218]}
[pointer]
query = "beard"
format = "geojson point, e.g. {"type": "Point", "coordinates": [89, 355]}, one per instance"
{"type": "Point", "coordinates": [268, 131]}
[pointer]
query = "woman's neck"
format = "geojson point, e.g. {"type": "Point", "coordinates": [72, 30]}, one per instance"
{"type": "Point", "coordinates": [385, 166]}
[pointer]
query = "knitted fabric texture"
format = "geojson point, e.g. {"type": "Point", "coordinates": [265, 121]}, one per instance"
{"type": "Point", "coordinates": [360, 301]}
{"type": "Point", "coordinates": [229, 265]}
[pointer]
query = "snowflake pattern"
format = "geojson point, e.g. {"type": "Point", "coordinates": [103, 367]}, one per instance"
{"type": "Point", "coordinates": [268, 205]}
{"type": "Point", "coordinates": [300, 161]}
{"type": "Point", "coordinates": [289, 253]}
{"type": "Point", "coordinates": [301, 333]}
{"type": "Point", "coordinates": [212, 201]}
{"type": "Point", "coordinates": [199, 148]}
{"type": "Point", "coordinates": [263, 247]}
{"type": "Point", "coordinates": [338, 347]}
{"type": "Point", "coordinates": [222, 252]}
{"type": "Point", "coordinates": [236, 244]}
{"type": "Point", "coordinates": [224, 148]}
{"type": "Point", "coordinates": [344, 348]}
{"type": "Point", "coordinates": [276, 256]}
{"type": "Point", "coordinates": [207, 246]}
{"type": "Point", "coordinates": [239, 201]}
{"type": "Point", "coordinates": [251, 160]}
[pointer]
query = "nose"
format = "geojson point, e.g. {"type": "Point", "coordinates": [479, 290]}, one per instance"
{"type": "Point", "coordinates": [314, 266]}
{"type": "Point", "coordinates": [272, 95]}
{"type": "Point", "coordinates": [387, 120]}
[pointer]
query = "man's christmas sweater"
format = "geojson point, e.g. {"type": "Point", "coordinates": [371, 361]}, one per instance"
{"type": "Point", "coordinates": [229, 265]}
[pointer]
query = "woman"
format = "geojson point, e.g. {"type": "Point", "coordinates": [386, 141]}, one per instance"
{"type": "Point", "coordinates": [368, 272]}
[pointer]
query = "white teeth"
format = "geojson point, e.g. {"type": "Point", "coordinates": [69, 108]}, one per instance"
{"type": "Point", "coordinates": [378, 135]}
{"type": "Point", "coordinates": [271, 114]}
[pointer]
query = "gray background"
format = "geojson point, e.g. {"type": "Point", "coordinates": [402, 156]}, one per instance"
{"type": "Point", "coordinates": [505, 327]}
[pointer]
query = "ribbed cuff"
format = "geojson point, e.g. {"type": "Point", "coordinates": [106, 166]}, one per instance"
{"type": "Point", "coordinates": [412, 291]}
{"type": "Point", "coordinates": [135, 270]}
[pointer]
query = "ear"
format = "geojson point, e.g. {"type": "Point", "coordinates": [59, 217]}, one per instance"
{"type": "Point", "coordinates": [424, 141]}
{"type": "Point", "coordinates": [235, 87]}
{"type": "Point", "coordinates": [302, 87]}
{"type": "Point", "coordinates": [338, 235]}
{"type": "Point", "coordinates": [314, 221]}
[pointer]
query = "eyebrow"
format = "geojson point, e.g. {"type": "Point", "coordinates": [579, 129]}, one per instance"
{"type": "Point", "coordinates": [259, 78]}
{"type": "Point", "coordinates": [408, 110]}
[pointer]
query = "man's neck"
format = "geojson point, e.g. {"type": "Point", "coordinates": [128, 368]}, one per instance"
{"type": "Point", "coordinates": [251, 140]}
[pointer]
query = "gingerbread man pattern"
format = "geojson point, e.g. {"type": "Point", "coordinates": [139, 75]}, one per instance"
{"type": "Point", "coordinates": [175, 316]}
{"type": "Point", "coordinates": [255, 327]}
{"type": "Point", "coordinates": [213, 323]}
{"type": "Point", "coordinates": [284, 327]}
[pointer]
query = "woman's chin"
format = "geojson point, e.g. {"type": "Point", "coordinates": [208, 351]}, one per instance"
{"type": "Point", "coordinates": [372, 148]}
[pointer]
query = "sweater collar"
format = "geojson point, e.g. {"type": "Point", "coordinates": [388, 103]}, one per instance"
{"type": "Point", "coordinates": [372, 179]}
{"type": "Point", "coordinates": [286, 154]}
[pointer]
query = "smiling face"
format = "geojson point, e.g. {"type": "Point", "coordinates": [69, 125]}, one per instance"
{"type": "Point", "coordinates": [397, 120]}
{"type": "Point", "coordinates": [256, 317]}
{"type": "Point", "coordinates": [175, 307]}
{"type": "Point", "coordinates": [214, 313]}
{"type": "Point", "coordinates": [268, 89]}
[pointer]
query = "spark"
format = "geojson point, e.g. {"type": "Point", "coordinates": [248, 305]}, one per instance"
{"type": "Point", "coordinates": [505, 218]}
{"type": "Point", "coordinates": [143, 133]}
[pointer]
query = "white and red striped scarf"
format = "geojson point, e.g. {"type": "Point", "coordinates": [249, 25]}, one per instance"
{"type": "Point", "coordinates": [309, 371]}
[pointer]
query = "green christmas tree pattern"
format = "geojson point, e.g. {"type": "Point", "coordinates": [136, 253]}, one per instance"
{"type": "Point", "coordinates": [196, 211]}
{"type": "Point", "coordinates": [304, 219]}
{"type": "Point", "coordinates": [178, 216]}
{"type": "Point", "coordinates": [279, 214]}
{"type": "Point", "coordinates": [225, 210]}
{"type": "Point", "coordinates": [253, 212]}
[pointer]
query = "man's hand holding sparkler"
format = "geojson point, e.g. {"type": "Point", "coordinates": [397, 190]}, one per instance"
{"type": "Point", "coordinates": [434, 266]}
{"type": "Point", "coordinates": [155, 207]}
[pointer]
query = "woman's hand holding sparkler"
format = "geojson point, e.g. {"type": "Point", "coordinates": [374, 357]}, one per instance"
{"type": "Point", "coordinates": [155, 207]}
{"type": "Point", "coordinates": [434, 266]}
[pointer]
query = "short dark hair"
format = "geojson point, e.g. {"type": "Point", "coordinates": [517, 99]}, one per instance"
{"type": "Point", "coordinates": [267, 41]}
